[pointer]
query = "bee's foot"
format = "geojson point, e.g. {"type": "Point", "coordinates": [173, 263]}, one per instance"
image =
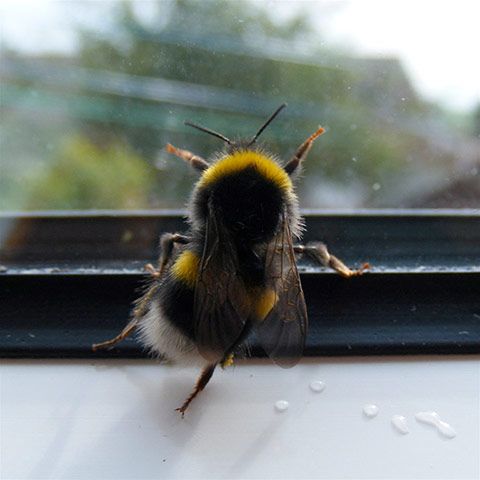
{"type": "Point", "coordinates": [182, 410]}
{"type": "Point", "coordinates": [362, 269]}
{"type": "Point", "coordinates": [152, 270]}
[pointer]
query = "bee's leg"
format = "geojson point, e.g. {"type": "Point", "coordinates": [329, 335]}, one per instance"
{"type": "Point", "coordinates": [318, 252]}
{"type": "Point", "coordinates": [142, 305]}
{"type": "Point", "coordinates": [167, 242]}
{"type": "Point", "coordinates": [127, 331]}
{"type": "Point", "coordinates": [202, 381]}
{"type": "Point", "coordinates": [138, 313]}
{"type": "Point", "coordinates": [154, 272]}
{"type": "Point", "coordinates": [302, 152]}
{"type": "Point", "coordinates": [194, 160]}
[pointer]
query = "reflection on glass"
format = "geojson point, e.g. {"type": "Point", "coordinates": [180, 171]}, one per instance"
{"type": "Point", "coordinates": [88, 105]}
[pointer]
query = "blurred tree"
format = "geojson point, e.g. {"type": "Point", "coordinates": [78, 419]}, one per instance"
{"type": "Point", "coordinates": [379, 137]}
{"type": "Point", "coordinates": [202, 43]}
{"type": "Point", "coordinates": [476, 121]}
{"type": "Point", "coordinates": [85, 175]}
{"type": "Point", "coordinates": [186, 40]}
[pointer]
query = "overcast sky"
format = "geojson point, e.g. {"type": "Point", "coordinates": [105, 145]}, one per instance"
{"type": "Point", "coordinates": [436, 40]}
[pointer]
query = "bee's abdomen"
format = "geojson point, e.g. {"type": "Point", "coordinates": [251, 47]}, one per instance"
{"type": "Point", "coordinates": [177, 304]}
{"type": "Point", "coordinates": [252, 266]}
{"type": "Point", "coordinates": [185, 268]}
{"type": "Point", "coordinates": [177, 296]}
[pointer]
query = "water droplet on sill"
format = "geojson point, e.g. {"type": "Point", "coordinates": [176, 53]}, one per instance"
{"type": "Point", "coordinates": [317, 386]}
{"type": "Point", "coordinates": [281, 405]}
{"type": "Point", "coordinates": [400, 423]}
{"type": "Point", "coordinates": [433, 418]}
{"type": "Point", "coordinates": [370, 410]}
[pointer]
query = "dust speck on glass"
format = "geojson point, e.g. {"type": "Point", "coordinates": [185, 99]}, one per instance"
{"type": "Point", "coordinates": [90, 97]}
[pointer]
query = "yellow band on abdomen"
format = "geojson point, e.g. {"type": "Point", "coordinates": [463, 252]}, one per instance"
{"type": "Point", "coordinates": [185, 268]}
{"type": "Point", "coordinates": [263, 304]}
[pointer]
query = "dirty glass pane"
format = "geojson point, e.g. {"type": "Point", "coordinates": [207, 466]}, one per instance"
{"type": "Point", "coordinates": [91, 92]}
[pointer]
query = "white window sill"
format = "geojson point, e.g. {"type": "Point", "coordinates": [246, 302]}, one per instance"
{"type": "Point", "coordinates": [116, 419]}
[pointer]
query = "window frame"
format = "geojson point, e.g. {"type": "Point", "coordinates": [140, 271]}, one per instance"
{"type": "Point", "coordinates": [68, 280]}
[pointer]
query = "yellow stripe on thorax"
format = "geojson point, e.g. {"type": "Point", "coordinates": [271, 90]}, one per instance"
{"type": "Point", "coordinates": [243, 159]}
{"type": "Point", "coordinates": [185, 268]}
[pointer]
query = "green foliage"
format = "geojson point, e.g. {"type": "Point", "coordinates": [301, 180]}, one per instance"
{"type": "Point", "coordinates": [85, 175]}
{"type": "Point", "coordinates": [217, 28]}
{"type": "Point", "coordinates": [368, 106]}
{"type": "Point", "coordinates": [167, 51]}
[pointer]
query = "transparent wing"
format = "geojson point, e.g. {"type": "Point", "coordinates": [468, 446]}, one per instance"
{"type": "Point", "coordinates": [283, 331]}
{"type": "Point", "coordinates": [221, 304]}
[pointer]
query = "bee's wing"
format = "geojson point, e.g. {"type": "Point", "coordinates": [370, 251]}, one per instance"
{"type": "Point", "coordinates": [221, 304]}
{"type": "Point", "coordinates": [283, 331]}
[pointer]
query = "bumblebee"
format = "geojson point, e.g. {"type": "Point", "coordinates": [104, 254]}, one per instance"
{"type": "Point", "coordinates": [235, 270]}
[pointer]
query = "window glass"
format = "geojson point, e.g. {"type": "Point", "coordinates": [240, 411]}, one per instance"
{"type": "Point", "coordinates": [91, 92]}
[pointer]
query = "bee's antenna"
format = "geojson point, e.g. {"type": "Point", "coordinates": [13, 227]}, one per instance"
{"type": "Point", "coordinates": [267, 123]}
{"type": "Point", "coordinates": [210, 132]}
